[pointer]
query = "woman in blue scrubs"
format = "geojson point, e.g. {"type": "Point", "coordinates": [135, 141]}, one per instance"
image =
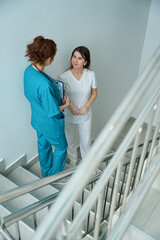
{"type": "Point", "coordinates": [47, 116]}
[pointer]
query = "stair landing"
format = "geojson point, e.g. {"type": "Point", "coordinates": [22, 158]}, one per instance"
{"type": "Point", "coordinates": [146, 223]}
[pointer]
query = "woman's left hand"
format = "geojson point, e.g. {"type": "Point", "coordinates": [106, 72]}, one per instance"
{"type": "Point", "coordinates": [65, 100]}
{"type": "Point", "coordinates": [84, 110]}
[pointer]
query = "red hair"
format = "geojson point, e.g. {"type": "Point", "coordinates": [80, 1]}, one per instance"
{"type": "Point", "coordinates": [40, 50]}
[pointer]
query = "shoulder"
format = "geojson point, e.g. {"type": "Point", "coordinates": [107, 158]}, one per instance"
{"type": "Point", "coordinates": [28, 69]}
{"type": "Point", "coordinates": [89, 72]}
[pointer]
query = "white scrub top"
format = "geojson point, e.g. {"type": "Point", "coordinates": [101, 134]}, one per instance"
{"type": "Point", "coordinates": [79, 91]}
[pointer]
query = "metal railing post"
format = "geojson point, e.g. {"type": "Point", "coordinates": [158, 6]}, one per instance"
{"type": "Point", "coordinates": [98, 215]}
{"type": "Point", "coordinates": [114, 197]}
{"type": "Point", "coordinates": [131, 167]}
{"type": "Point", "coordinates": [153, 142]}
{"type": "Point", "coordinates": [145, 146]}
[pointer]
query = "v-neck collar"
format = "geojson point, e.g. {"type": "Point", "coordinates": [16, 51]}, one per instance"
{"type": "Point", "coordinates": [75, 77]}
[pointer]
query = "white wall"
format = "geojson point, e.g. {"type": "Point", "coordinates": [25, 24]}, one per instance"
{"type": "Point", "coordinates": [152, 41]}
{"type": "Point", "coordinates": [113, 31]}
{"type": "Point", "coordinates": [152, 38]}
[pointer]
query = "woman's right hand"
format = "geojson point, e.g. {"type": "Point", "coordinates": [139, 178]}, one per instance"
{"type": "Point", "coordinates": [66, 103]}
{"type": "Point", "coordinates": [67, 100]}
{"type": "Point", "coordinates": [73, 109]}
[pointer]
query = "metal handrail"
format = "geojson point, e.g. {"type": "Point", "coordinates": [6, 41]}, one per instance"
{"type": "Point", "coordinates": [107, 172]}
{"type": "Point", "coordinates": [18, 191]}
{"type": "Point", "coordinates": [29, 187]}
{"type": "Point", "coordinates": [100, 147]}
{"type": "Point", "coordinates": [33, 208]}
{"type": "Point", "coordinates": [45, 202]}
{"type": "Point", "coordinates": [29, 210]}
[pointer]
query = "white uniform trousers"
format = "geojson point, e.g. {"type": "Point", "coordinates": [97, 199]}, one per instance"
{"type": "Point", "coordinates": [84, 130]}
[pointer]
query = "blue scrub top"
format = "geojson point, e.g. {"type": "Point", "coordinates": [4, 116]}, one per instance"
{"type": "Point", "coordinates": [44, 98]}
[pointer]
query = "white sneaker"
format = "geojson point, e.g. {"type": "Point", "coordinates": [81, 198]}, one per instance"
{"type": "Point", "coordinates": [72, 163]}
{"type": "Point", "coordinates": [60, 181]}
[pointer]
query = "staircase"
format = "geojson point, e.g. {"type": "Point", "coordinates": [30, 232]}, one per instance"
{"type": "Point", "coordinates": [31, 173]}
{"type": "Point", "coordinates": [27, 174]}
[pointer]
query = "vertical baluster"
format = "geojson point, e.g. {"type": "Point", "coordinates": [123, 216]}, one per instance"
{"type": "Point", "coordinates": [63, 231]}
{"type": "Point", "coordinates": [98, 215]}
{"type": "Point", "coordinates": [153, 142]}
{"type": "Point", "coordinates": [72, 217]}
{"type": "Point", "coordinates": [6, 235]}
{"type": "Point", "coordinates": [135, 169]}
{"type": "Point", "coordinates": [88, 218]}
{"type": "Point", "coordinates": [18, 232]}
{"type": "Point", "coordinates": [105, 200]}
{"type": "Point", "coordinates": [144, 150]}
{"type": "Point", "coordinates": [114, 197]}
{"type": "Point", "coordinates": [82, 196]}
{"type": "Point", "coordinates": [49, 207]}
{"type": "Point", "coordinates": [131, 167]}
{"type": "Point", "coordinates": [34, 220]}
{"type": "Point", "coordinates": [123, 183]}
{"type": "Point", "coordinates": [79, 234]}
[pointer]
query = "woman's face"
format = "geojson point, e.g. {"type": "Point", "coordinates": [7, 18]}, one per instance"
{"type": "Point", "coordinates": [77, 60]}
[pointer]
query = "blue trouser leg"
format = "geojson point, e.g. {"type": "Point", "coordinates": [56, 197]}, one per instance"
{"type": "Point", "coordinates": [45, 153]}
{"type": "Point", "coordinates": [52, 164]}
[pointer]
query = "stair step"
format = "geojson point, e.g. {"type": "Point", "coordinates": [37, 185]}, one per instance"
{"type": "Point", "coordinates": [36, 170]}
{"type": "Point", "coordinates": [20, 202]}
{"type": "Point", "coordinates": [66, 166]}
{"type": "Point", "coordinates": [87, 237]}
{"type": "Point", "coordinates": [89, 220]}
{"type": "Point", "coordinates": [103, 227]}
{"type": "Point", "coordinates": [25, 231]}
{"type": "Point", "coordinates": [102, 166]}
{"type": "Point", "coordinates": [16, 177]}
{"type": "Point", "coordinates": [135, 233]}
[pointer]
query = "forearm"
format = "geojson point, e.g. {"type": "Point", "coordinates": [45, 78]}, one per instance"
{"type": "Point", "coordinates": [92, 98]}
{"type": "Point", "coordinates": [66, 102]}
{"type": "Point", "coordinates": [71, 105]}
{"type": "Point", "coordinates": [62, 107]}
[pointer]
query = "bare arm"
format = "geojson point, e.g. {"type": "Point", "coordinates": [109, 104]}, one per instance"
{"type": "Point", "coordinates": [93, 96]}
{"type": "Point", "coordinates": [66, 102]}
{"type": "Point", "coordinates": [73, 109]}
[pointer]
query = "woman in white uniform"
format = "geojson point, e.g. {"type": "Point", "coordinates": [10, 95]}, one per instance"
{"type": "Point", "coordinates": [80, 86]}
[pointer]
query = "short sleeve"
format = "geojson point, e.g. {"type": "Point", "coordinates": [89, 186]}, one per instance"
{"type": "Point", "coordinates": [61, 78]}
{"type": "Point", "coordinates": [49, 102]}
{"type": "Point", "coordinates": [93, 81]}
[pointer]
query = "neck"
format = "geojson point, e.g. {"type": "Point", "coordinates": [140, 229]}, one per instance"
{"type": "Point", "coordinates": [77, 71]}
{"type": "Point", "coordinates": [38, 66]}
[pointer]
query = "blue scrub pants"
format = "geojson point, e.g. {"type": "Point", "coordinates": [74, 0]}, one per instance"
{"type": "Point", "coordinates": [52, 163]}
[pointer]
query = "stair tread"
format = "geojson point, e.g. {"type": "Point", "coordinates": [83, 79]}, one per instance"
{"type": "Point", "coordinates": [25, 230]}
{"type": "Point", "coordinates": [20, 202]}
{"type": "Point", "coordinates": [35, 169]}
{"type": "Point", "coordinates": [16, 177]}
